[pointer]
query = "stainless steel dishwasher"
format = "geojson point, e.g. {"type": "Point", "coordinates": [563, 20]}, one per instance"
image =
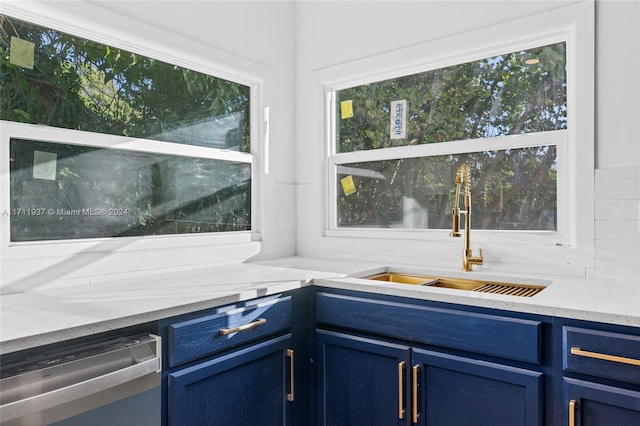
{"type": "Point", "coordinates": [114, 380]}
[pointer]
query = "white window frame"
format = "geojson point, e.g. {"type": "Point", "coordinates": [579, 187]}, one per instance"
{"type": "Point", "coordinates": [248, 74]}
{"type": "Point", "coordinates": [572, 24]}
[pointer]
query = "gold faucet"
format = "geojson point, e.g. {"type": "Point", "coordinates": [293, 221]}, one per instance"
{"type": "Point", "coordinates": [468, 259]}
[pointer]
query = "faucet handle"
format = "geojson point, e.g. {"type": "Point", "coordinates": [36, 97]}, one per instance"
{"type": "Point", "coordinates": [455, 223]}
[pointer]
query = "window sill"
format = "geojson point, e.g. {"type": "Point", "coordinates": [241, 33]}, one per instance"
{"type": "Point", "coordinates": [150, 243]}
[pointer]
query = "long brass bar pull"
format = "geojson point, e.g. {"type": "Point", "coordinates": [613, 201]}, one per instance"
{"type": "Point", "coordinates": [572, 412]}
{"type": "Point", "coordinates": [401, 366]}
{"type": "Point", "coordinates": [252, 324]}
{"type": "Point", "coordinates": [291, 376]}
{"type": "Point", "coordinates": [606, 357]}
{"type": "Point", "coordinates": [415, 417]}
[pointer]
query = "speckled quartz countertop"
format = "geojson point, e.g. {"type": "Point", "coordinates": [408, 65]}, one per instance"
{"type": "Point", "coordinates": [54, 313]}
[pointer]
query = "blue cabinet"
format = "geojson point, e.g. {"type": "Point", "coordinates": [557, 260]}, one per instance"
{"type": "Point", "coordinates": [460, 391]}
{"type": "Point", "coordinates": [232, 365]}
{"type": "Point", "coordinates": [601, 376]}
{"type": "Point", "coordinates": [361, 381]}
{"type": "Point", "coordinates": [375, 360]}
{"type": "Point", "coordinates": [226, 327]}
{"type": "Point", "coordinates": [452, 327]}
{"type": "Point", "coordinates": [252, 386]}
{"type": "Point", "coordinates": [384, 361]}
{"type": "Point", "coordinates": [365, 381]}
{"type": "Point", "coordinates": [594, 404]}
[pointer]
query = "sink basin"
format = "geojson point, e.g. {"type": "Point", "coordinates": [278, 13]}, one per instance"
{"type": "Point", "coordinates": [393, 277]}
{"type": "Point", "coordinates": [484, 286]}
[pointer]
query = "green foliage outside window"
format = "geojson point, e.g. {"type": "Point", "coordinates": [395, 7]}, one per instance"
{"type": "Point", "coordinates": [100, 193]}
{"type": "Point", "coordinates": [496, 96]}
{"type": "Point", "coordinates": [511, 94]}
{"type": "Point", "coordinates": [509, 192]}
{"type": "Point", "coordinates": [79, 84]}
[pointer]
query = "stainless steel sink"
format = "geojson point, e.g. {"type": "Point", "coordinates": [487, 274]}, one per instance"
{"type": "Point", "coordinates": [484, 286]}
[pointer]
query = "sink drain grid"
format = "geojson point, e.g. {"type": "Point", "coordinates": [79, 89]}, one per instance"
{"type": "Point", "coordinates": [510, 290]}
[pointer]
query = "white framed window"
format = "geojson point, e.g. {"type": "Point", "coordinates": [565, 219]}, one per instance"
{"type": "Point", "coordinates": [390, 165]}
{"type": "Point", "coordinates": [191, 177]}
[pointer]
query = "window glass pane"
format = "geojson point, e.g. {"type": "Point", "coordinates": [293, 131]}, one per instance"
{"type": "Point", "coordinates": [513, 189]}
{"type": "Point", "coordinates": [50, 77]}
{"type": "Point", "coordinates": [514, 93]}
{"type": "Point", "coordinates": [60, 191]}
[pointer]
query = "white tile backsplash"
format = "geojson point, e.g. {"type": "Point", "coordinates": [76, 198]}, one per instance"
{"type": "Point", "coordinates": [617, 224]}
{"type": "Point", "coordinates": [620, 251]}
{"type": "Point", "coordinates": [617, 230]}
{"type": "Point", "coordinates": [617, 210]}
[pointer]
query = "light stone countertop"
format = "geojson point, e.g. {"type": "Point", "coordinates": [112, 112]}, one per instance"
{"type": "Point", "coordinates": [52, 314]}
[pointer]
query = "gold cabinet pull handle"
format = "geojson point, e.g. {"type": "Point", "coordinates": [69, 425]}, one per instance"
{"type": "Point", "coordinates": [606, 357]}
{"type": "Point", "coordinates": [401, 366]}
{"type": "Point", "coordinates": [291, 380]}
{"type": "Point", "coordinates": [225, 331]}
{"type": "Point", "coordinates": [416, 369]}
{"type": "Point", "coordinates": [572, 412]}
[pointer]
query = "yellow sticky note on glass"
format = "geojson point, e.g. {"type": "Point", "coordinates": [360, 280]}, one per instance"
{"type": "Point", "coordinates": [346, 109]}
{"type": "Point", "coordinates": [348, 186]}
{"type": "Point", "coordinates": [21, 53]}
{"type": "Point", "coordinates": [44, 165]}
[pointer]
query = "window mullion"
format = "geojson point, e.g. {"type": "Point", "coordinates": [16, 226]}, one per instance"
{"type": "Point", "coordinates": [455, 147]}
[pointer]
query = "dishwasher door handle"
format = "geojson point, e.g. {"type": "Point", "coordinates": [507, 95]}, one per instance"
{"type": "Point", "coordinates": [43, 401]}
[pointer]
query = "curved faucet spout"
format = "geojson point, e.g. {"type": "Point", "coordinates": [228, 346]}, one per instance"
{"type": "Point", "coordinates": [463, 174]}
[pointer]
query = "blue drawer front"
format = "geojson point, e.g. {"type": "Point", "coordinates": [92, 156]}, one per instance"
{"type": "Point", "coordinates": [494, 335]}
{"type": "Point", "coordinates": [193, 339]}
{"type": "Point", "coordinates": [602, 354]}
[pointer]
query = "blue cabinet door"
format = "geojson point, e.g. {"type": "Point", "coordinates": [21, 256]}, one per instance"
{"type": "Point", "coordinates": [594, 404]}
{"type": "Point", "coordinates": [361, 382]}
{"type": "Point", "coordinates": [370, 382]}
{"type": "Point", "coordinates": [459, 391]}
{"type": "Point", "coordinates": [247, 387]}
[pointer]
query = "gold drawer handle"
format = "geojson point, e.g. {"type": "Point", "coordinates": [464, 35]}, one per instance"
{"type": "Point", "coordinates": [290, 355]}
{"type": "Point", "coordinates": [606, 357]}
{"type": "Point", "coordinates": [401, 366]}
{"type": "Point", "coordinates": [415, 416]}
{"type": "Point", "coordinates": [572, 412]}
{"type": "Point", "coordinates": [225, 331]}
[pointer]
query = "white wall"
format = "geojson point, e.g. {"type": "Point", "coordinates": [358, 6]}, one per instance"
{"type": "Point", "coordinates": [261, 33]}
{"type": "Point", "coordinates": [257, 39]}
{"type": "Point", "coordinates": [617, 174]}
{"type": "Point", "coordinates": [334, 33]}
